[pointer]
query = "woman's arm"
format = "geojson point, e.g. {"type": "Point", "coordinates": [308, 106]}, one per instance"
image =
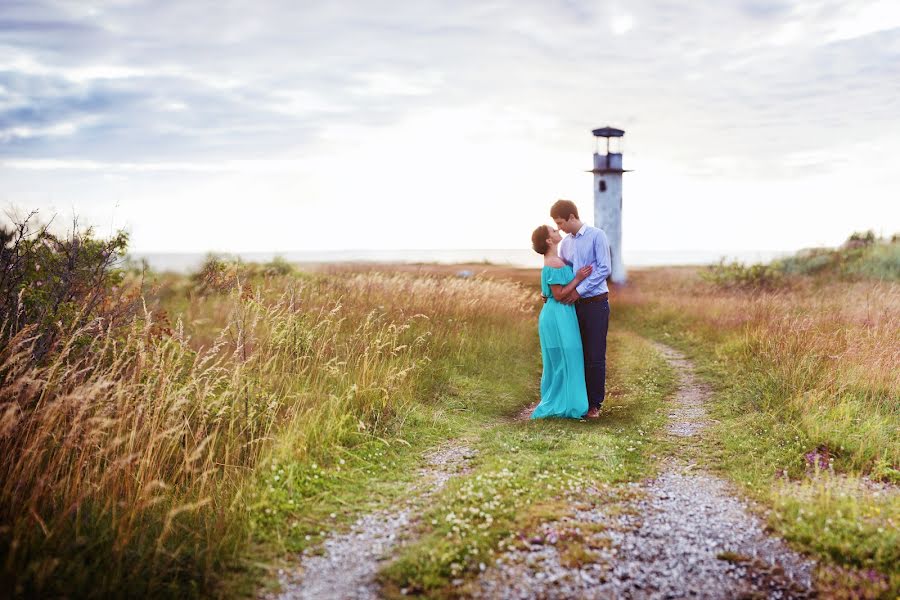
{"type": "Point", "coordinates": [560, 291]}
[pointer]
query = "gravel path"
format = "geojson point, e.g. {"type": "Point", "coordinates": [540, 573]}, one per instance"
{"type": "Point", "coordinates": [687, 417]}
{"type": "Point", "coordinates": [348, 562]}
{"type": "Point", "coordinates": [682, 534]}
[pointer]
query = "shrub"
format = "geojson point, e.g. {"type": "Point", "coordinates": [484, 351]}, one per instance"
{"type": "Point", "coordinates": [861, 238]}
{"type": "Point", "coordinates": [881, 261]}
{"type": "Point", "coordinates": [862, 256]}
{"type": "Point", "coordinates": [277, 267]}
{"type": "Point", "coordinates": [736, 275]}
{"type": "Point", "coordinates": [53, 285]}
{"type": "Point", "coordinates": [809, 262]}
{"type": "Point", "coordinates": [215, 275]}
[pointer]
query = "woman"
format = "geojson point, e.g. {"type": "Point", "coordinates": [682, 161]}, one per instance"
{"type": "Point", "coordinates": [563, 391]}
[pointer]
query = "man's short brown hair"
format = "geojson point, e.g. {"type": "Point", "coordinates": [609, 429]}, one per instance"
{"type": "Point", "coordinates": [562, 209]}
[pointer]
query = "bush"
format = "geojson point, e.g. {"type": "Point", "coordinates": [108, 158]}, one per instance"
{"type": "Point", "coordinates": [861, 238]}
{"type": "Point", "coordinates": [881, 261]}
{"type": "Point", "coordinates": [809, 262]}
{"type": "Point", "coordinates": [278, 267]}
{"type": "Point", "coordinates": [736, 275]}
{"type": "Point", "coordinates": [862, 256]}
{"type": "Point", "coordinates": [53, 285]}
{"type": "Point", "coordinates": [215, 275]}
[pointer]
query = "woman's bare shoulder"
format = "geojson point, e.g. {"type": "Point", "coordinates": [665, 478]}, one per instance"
{"type": "Point", "coordinates": [555, 262]}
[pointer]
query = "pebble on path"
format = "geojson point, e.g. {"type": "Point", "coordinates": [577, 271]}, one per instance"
{"type": "Point", "coordinates": [682, 534]}
{"type": "Point", "coordinates": [346, 564]}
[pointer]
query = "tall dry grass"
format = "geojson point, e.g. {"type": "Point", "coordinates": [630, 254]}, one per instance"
{"type": "Point", "coordinates": [124, 462]}
{"type": "Point", "coordinates": [826, 356]}
{"type": "Point", "coordinates": [807, 406]}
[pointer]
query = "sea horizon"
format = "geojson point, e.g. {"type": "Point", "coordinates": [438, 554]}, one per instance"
{"type": "Point", "coordinates": [182, 262]}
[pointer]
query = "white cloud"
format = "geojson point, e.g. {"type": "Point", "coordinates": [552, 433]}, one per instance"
{"type": "Point", "coordinates": [384, 83]}
{"type": "Point", "coordinates": [300, 102]}
{"type": "Point", "coordinates": [866, 18]}
{"type": "Point", "coordinates": [621, 24]}
{"type": "Point", "coordinates": [249, 166]}
{"type": "Point", "coordinates": [445, 108]}
{"type": "Point", "coordinates": [58, 129]}
{"type": "Point", "coordinates": [27, 64]}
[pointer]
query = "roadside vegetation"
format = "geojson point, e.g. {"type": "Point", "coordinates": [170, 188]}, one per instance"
{"type": "Point", "coordinates": [808, 392]}
{"type": "Point", "coordinates": [863, 257]}
{"type": "Point", "coordinates": [177, 435]}
{"type": "Point", "coordinates": [172, 424]}
{"type": "Point", "coordinates": [529, 472]}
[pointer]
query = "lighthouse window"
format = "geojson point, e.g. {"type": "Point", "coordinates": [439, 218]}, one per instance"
{"type": "Point", "coordinates": [602, 186]}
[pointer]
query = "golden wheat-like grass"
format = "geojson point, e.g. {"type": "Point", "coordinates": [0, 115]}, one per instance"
{"type": "Point", "coordinates": [151, 431]}
{"type": "Point", "coordinates": [832, 348]}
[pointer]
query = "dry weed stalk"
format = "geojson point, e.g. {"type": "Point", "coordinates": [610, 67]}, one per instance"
{"type": "Point", "coordinates": [145, 437]}
{"type": "Point", "coordinates": [832, 350]}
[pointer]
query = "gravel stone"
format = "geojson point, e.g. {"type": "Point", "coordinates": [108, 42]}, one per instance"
{"type": "Point", "coordinates": [346, 564]}
{"type": "Point", "coordinates": [687, 417]}
{"type": "Point", "coordinates": [682, 534]}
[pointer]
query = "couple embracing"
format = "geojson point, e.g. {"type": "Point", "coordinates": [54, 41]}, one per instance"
{"type": "Point", "coordinates": [575, 317]}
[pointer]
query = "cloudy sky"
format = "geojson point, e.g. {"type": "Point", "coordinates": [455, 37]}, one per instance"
{"type": "Point", "coordinates": [234, 126]}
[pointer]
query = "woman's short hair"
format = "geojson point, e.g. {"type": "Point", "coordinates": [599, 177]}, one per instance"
{"type": "Point", "coordinates": [562, 209]}
{"type": "Point", "coordinates": [539, 239]}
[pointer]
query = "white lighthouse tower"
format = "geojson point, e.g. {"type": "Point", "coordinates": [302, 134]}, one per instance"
{"type": "Point", "coordinates": [608, 194]}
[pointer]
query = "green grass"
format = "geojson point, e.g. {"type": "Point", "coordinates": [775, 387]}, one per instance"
{"type": "Point", "coordinates": [294, 501]}
{"type": "Point", "coordinates": [881, 261]}
{"type": "Point", "coordinates": [876, 259]}
{"type": "Point", "coordinates": [527, 469]}
{"type": "Point", "coordinates": [350, 380]}
{"type": "Point", "coordinates": [764, 444]}
{"type": "Point", "coordinates": [191, 454]}
{"type": "Point", "coordinates": [862, 257]}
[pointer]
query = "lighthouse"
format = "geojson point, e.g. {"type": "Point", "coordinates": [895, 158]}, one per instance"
{"type": "Point", "coordinates": [608, 193]}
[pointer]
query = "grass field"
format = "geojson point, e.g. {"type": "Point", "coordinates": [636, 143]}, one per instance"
{"type": "Point", "coordinates": [248, 410]}
{"type": "Point", "coordinates": [807, 402]}
{"type": "Point", "coordinates": [529, 470]}
{"type": "Point", "coordinates": [152, 459]}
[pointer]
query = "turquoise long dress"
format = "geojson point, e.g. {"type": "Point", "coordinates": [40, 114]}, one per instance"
{"type": "Point", "coordinates": [563, 391]}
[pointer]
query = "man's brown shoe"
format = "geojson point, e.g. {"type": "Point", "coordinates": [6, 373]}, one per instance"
{"type": "Point", "coordinates": [592, 414]}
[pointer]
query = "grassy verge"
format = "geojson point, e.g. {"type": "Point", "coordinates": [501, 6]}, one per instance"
{"type": "Point", "coordinates": [230, 420]}
{"type": "Point", "coordinates": [486, 378]}
{"type": "Point", "coordinates": [526, 470]}
{"type": "Point", "coordinates": [806, 405]}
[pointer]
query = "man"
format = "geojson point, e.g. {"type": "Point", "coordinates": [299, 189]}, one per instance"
{"type": "Point", "coordinates": [586, 245]}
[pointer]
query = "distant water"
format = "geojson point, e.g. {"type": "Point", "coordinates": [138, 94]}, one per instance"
{"type": "Point", "coordinates": [185, 262]}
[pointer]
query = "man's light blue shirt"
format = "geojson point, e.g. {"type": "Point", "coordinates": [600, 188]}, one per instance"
{"type": "Point", "coordinates": [588, 247]}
